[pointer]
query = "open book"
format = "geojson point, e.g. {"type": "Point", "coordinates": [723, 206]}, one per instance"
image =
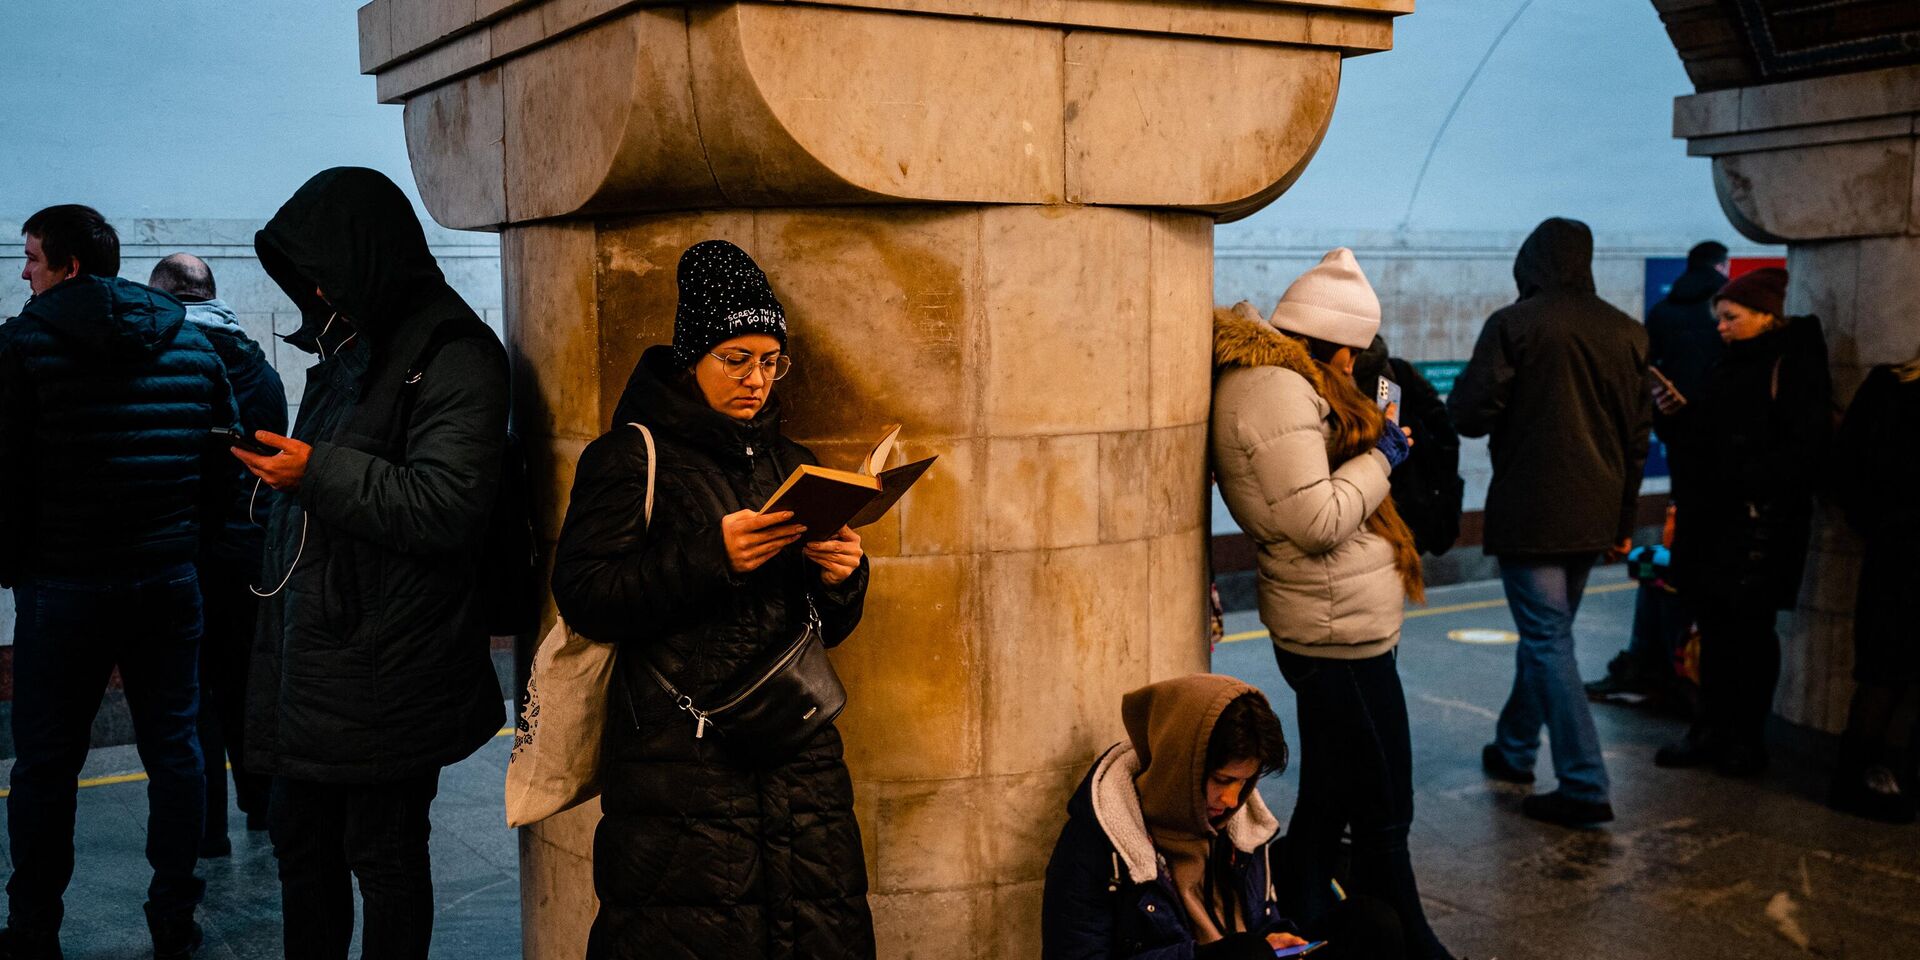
{"type": "Point", "coordinates": [825, 499]}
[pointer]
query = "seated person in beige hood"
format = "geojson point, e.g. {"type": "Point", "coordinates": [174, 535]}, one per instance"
{"type": "Point", "coordinates": [1168, 848]}
{"type": "Point", "coordinates": [1303, 458]}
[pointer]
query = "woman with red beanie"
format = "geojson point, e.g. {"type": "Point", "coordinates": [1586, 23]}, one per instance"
{"type": "Point", "coordinates": [1760, 426]}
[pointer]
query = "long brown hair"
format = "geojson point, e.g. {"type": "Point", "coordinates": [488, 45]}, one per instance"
{"type": "Point", "coordinates": [1356, 424]}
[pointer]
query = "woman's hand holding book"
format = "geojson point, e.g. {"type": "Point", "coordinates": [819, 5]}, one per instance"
{"type": "Point", "coordinates": [838, 556]}
{"type": "Point", "coordinates": [752, 537]}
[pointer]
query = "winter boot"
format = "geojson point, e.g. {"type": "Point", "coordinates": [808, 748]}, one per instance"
{"type": "Point", "coordinates": [175, 935]}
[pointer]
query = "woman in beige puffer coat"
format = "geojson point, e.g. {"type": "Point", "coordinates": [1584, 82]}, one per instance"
{"type": "Point", "coordinates": [1303, 460]}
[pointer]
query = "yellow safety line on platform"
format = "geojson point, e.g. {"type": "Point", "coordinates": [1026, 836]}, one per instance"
{"type": "Point", "coordinates": [142, 774]}
{"type": "Point", "coordinates": [1437, 611]}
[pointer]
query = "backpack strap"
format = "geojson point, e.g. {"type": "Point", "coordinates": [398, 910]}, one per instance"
{"type": "Point", "coordinates": [648, 436]}
{"type": "Point", "coordinates": [444, 332]}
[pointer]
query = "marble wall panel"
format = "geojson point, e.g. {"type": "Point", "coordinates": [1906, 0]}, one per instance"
{"type": "Point", "coordinates": [1064, 636]}
{"type": "Point", "coordinates": [1027, 812]}
{"type": "Point", "coordinates": [461, 160]}
{"type": "Point", "coordinates": [912, 672]}
{"type": "Point", "coordinates": [1043, 491]}
{"type": "Point", "coordinates": [557, 902]}
{"type": "Point", "coordinates": [1066, 311]}
{"type": "Point", "coordinates": [1179, 641]}
{"type": "Point", "coordinates": [1016, 918]}
{"type": "Point", "coordinates": [555, 333]}
{"type": "Point", "coordinates": [932, 835]}
{"type": "Point", "coordinates": [1180, 319]}
{"type": "Point", "coordinates": [1837, 191]}
{"type": "Point", "coordinates": [947, 925]}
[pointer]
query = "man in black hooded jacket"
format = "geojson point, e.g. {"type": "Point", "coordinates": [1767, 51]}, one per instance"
{"type": "Point", "coordinates": [1558, 380]}
{"type": "Point", "coordinates": [371, 669]}
{"type": "Point", "coordinates": [108, 483]}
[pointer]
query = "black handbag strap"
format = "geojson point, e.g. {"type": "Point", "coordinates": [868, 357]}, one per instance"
{"type": "Point", "coordinates": [701, 718]}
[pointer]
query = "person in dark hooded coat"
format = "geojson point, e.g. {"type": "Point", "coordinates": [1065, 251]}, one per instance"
{"type": "Point", "coordinates": [1759, 428]}
{"type": "Point", "coordinates": [1558, 381]}
{"type": "Point", "coordinates": [701, 853]}
{"type": "Point", "coordinates": [371, 668]}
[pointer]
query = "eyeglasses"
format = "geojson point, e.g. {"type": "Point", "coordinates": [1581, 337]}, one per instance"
{"type": "Point", "coordinates": [739, 366]}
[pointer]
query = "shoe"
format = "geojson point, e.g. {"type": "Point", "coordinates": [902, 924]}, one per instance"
{"type": "Point", "coordinates": [1697, 749]}
{"type": "Point", "coordinates": [1623, 679]}
{"type": "Point", "coordinates": [215, 847]}
{"type": "Point", "coordinates": [175, 935]}
{"type": "Point", "coordinates": [18, 944]}
{"type": "Point", "coordinates": [1873, 793]}
{"type": "Point", "coordinates": [1744, 761]}
{"type": "Point", "coordinates": [1495, 764]}
{"type": "Point", "coordinates": [1558, 808]}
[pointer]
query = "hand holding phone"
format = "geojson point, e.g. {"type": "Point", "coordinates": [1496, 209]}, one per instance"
{"type": "Point", "coordinates": [1299, 950]}
{"type": "Point", "coordinates": [1387, 395]}
{"type": "Point", "coordinates": [1666, 396]}
{"type": "Point", "coordinates": [244, 441]}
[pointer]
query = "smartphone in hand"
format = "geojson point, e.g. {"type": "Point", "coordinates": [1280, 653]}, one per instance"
{"type": "Point", "coordinates": [244, 441]}
{"type": "Point", "coordinates": [1299, 950]}
{"type": "Point", "coordinates": [1387, 394]}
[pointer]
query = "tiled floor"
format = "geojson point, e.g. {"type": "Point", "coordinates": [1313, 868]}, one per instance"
{"type": "Point", "coordinates": [1696, 866]}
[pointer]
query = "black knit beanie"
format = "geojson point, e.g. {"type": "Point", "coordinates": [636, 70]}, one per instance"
{"type": "Point", "coordinates": [723, 294]}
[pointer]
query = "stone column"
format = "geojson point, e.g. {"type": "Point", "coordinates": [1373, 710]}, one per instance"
{"type": "Point", "coordinates": [990, 221]}
{"type": "Point", "coordinates": [1828, 167]}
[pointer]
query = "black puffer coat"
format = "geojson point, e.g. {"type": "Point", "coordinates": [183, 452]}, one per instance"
{"type": "Point", "coordinates": [373, 664]}
{"type": "Point", "coordinates": [699, 856]}
{"type": "Point", "coordinates": [1559, 381]}
{"type": "Point", "coordinates": [106, 396]}
{"type": "Point", "coordinates": [1877, 476]}
{"type": "Point", "coordinates": [1684, 345]}
{"type": "Point", "coordinates": [1760, 429]}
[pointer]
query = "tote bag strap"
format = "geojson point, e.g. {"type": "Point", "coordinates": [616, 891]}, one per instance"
{"type": "Point", "coordinates": [648, 435]}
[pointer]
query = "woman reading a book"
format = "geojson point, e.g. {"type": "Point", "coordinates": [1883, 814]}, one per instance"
{"type": "Point", "coordinates": [703, 849]}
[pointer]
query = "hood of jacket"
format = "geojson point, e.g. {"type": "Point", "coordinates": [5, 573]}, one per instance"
{"type": "Point", "coordinates": [214, 314]}
{"type": "Point", "coordinates": [109, 316]}
{"type": "Point", "coordinates": [351, 232]}
{"type": "Point", "coordinates": [1113, 800]}
{"type": "Point", "coordinates": [1240, 341]}
{"type": "Point", "coordinates": [655, 396]}
{"type": "Point", "coordinates": [1696, 286]}
{"type": "Point", "coordinates": [1558, 255]}
{"type": "Point", "coordinates": [1169, 724]}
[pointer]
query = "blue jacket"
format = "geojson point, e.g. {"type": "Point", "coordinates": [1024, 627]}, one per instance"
{"type": "Point", "coordinates": [261, 401]}
{"type": "Point", "coordinates": [106, 465]}
{"type": "Point", "coordinates": [1109, 895]}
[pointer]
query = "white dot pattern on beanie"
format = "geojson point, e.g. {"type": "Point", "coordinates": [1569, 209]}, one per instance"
{"type": "Point", "coordinates": [723, 294]}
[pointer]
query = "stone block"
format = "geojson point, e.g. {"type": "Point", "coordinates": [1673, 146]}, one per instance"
{"type": "Point", "coordinates": [1043, 491]}
{"type": "Point", "coordinates": [418, 24]}
{"type": "Point", "coordinates": [1200, 124]}
{"type": "Point", "coordinates": [557, 902]}
{"type": "Point", "coordinates": [1886, 302]}
{"type": "Point", "coordinates": [1064, 637]}
{"type": "Point", "coordinates": [552, 462]}
{"type": "Point", "coordinates": [1152, 482]}
{"type": "Point", "coordinates": [1066, 312]}
{"type": "Point", "coordinates": [945, 925]}
{"type": "Point", "coordinates": [1028, 810]}
{"type": "Point", "coordinates": [942, 515]}
{"type": "Point", "coordinates": [555, 330]}
{"type": "Point", "coordinates": [1852, 96]}
{"type": "Point", "coordinates": [1178, 639]}
{"type": "Point", "coordinates": [376, 35]}
{"type": "Point", "coordinates": [1180, 319]}
{"type": "Point", "coordinates": [1706, 114]}
{"type": "Point", "coordinates": [603, 118]}
{"type": "Point", "coordinates": [1016, 919]}
{"type": "Point", "coordinates": [912, 672]}
{"type": "Point", "coordinates": [460, 182]}
{"type": "Point", "coordinates": [1825, 192]}
{"type": "Point", "coordinates": [933, 835]}
{"type": "Point", "coordinates": [892, 332]}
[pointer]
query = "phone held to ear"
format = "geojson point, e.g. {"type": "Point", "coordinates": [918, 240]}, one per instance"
{"type": "Point", "coordinates": [1386, 395]}
{"type": "Point", "coordinates": [244, 441]}
{"type": "Point", "coordinates": [1299, 950]}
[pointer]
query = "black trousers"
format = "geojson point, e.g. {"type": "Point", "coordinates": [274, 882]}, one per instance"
{"type": "Point", "coordinates": [326, 835]}
{"type": "Point", "coordinates": [1356, 774]}
{"type": "Point", "coordinates": [1739, 667]}
{"type": "Point", "coordinates": [224, 654]}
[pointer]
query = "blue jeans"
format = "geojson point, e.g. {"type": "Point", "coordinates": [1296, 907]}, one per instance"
{"type": "Point", "coordinates": [68, 636]}
{"type": "Point", "coordinates": [1544, 595]}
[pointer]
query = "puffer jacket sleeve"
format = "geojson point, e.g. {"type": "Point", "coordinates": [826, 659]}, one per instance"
{"type": "Point", "coordinates": [436, 502]}
{"type": "Point", "coordinates": [1284, 487]}
{"type": "Point", "coordinates": [615, 576]}
{"type": "Point", "coordinates": [1480, 394]}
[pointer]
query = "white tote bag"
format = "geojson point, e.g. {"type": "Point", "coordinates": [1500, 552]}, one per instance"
{"type": "Point", "coordinates": [556, 746]}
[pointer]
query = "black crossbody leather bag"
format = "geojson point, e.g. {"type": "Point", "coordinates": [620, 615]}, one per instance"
{"type": "Point", "coordinates": [776, 713]}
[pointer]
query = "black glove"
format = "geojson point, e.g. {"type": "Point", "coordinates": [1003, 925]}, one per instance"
{"type": "Point", "coordinates": [1235, 946]}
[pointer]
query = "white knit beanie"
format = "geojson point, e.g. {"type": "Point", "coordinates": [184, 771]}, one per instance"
{"type": "Point", "coordinates": [1331, 302]}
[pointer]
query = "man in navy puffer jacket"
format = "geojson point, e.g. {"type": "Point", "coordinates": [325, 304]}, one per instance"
{"type": "Point", "coordinates": [108, 480]}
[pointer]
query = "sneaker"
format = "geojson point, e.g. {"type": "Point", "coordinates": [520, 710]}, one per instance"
{"type": "Point", "coordinates": [1873, 793]}
{"type": "Point", "coordinates": [1558, 808]}
{"type": "Point", "coordinates": [175, 935]}
{"type": "Point", "coordinates": [1496, 766]}
{"type": "Point", "coordinates": [1697, 749]}
{"type": "Point", "coordinates": [19, 944]}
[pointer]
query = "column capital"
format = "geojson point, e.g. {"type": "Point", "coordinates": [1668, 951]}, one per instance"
{"type": "Point", "coordinates": [521, 111]}
{"type": "Point", "coordinates": [1822, 159]}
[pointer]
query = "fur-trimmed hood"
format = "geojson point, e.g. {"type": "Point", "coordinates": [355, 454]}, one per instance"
{"type": "Point", "coordinates": [1116, 807]}
{"type": "Point", "coordinates": [1242, 339]}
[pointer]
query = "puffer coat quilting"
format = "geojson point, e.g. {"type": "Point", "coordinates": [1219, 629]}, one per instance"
{"type": "Point", "coordinates": [699, 855]}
